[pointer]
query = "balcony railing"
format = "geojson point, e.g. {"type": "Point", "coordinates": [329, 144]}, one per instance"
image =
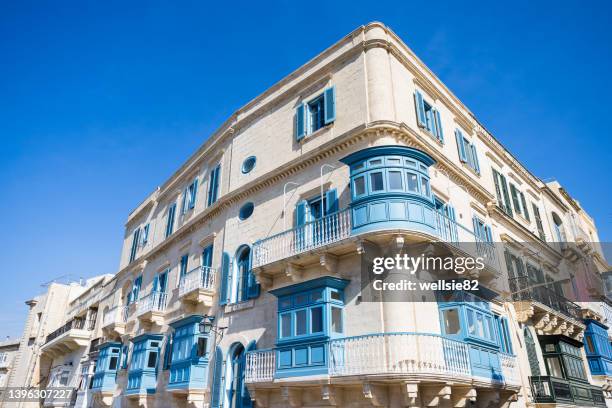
{"type": "Point", "coordinates": [337, 226]}
{"type": "Point", "coordinates": [153, 302]}
{"type": "Point", "coordinates": [117, 314]}
{"type": "Point", "coordinates": [312, 235]}
{"type": "Point", "coordinates": [78, 324]}
{"type": "Point", "coordinates": [523, 289]}
{"type": "Point", "coordinates": [388, 354]}
{"type": "Point", "coordinates": [545, 389]}
{"type": "Point", "coordinates": [202, 277]}
{"type": "Point", "coordinates": [260, 366]}
{"type": "Point", "coordinates": [399, 353]}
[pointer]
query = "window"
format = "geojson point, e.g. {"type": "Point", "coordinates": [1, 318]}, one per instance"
{"type": "Point", "coordinates": [501, 190]}
{"type": "Point", "coordinates": [554, 367]}
{"type": "Point", "coordinates": [395, 180]}
{"type": "Point", "coordinates": [285, 325]}
{"type": "Point", "coordinates": [144, 237]}
{"type": "Point", "coordinates": [316, 319]}
{"type": "Point", "coordinates": [300, 323]}
{"type": "Point", "coordinates": [315, 114]}
{"type": "Point", "coordinates": [152, 360]}
{"type": "Point", "coordinates": [450, 319]}
{"type": "Point", "coordinates": [201, 346]}
{"type": "Point", "coordinates": [425, 185]}
{"type": "Point", "coordinates": [213, 185]}
{"type": "Point", "coordinates": [183, 265]}
{"type": "Point", "coordinates": [589, 344]}
{"type": "Point", "coordinates": [135, 240]}
{"type": "Point", "coordinates": [376, 181]}
{"type": "Point", "coordinates": [189, 196]}
{"type": "Point", "coordinates": [413, 183]}
{"type": "Point", "coordinates": [428, 117]}
{"type": "Point", "coordinates": [112, 365]}
{"type": "Point", "coordinates": [467, 151]}
{"type": "Point", "coordinates": [359, 185]}
{"type": "Point", "coordinates": [538, 220]}
{"type": "Point", "coordinates": [64, 377]}
{"type": "Point", "coordinates": [336, 320]}
{"type": "Point", "coordinates": [246, 211]}
{"type": "Point", "coordinates": [248, 164]}
{"type": "Point", "coordinates": [515, 199]}
{"type": "Point", "coordinates": [481, 230]}
{"type": "Point", "coordinates": [170, 219]}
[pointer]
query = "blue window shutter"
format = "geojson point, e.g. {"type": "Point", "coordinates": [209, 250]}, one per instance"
{"type": "Point", "coordinates": [439, 132]}
{"type": "Point", "coordinates": [476, 227]}
{"type": "Point", "coordinates": [451, 212]}
{"type": "Point", "coordinates": [300, 123]}
{"type": "Point", "coordinates": [207, 256]}
{"type": "Point", "coordinates": [246, 398]}
{"type": "Point", "coordinates": [213, 187]}
{"type": "Point", "coordinates": [216, 399]}
{"type": "Point", "coordinates": [488, 234]}
{"type": "Point", "coordinates": [253, 287]}
{"type": "Point", "coordinates": [167, 352]}
{"type": "Point", "coordinates": [185, 202]}
{"type": "Point", "coordinates": [194, 194]}
{"type": "Point", "coordinates": [475, 158]}
{"type": "Point", "coordinates": [525, 210]}
{"type": "Point", "coordinates": [300, 215]}
{"type": "Point", "coordinates": [329, 100]}
{"type": "Point", "coordinates": [420, 109]}
{"type": "Point", "coordinates": [225, 277]}
{"type": "Point", "coordinates": [156, 283]}
{"type": "Point", "coordinates": [331, 201]}
{"type": "Point", "coordinates": [163, 282]}
{"type": "Point", "coordinates": [145, 234]}
{"type": "Point", "coordinates": [460, 146]}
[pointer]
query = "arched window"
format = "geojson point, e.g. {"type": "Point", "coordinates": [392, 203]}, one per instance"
{"type": "Point", "coordinates": [242, 271]}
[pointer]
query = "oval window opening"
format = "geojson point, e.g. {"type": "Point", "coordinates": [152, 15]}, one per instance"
{"type": "Point", "coordinates": [248, 164]}
{"type": "Point", "coordinates": [246, 211]}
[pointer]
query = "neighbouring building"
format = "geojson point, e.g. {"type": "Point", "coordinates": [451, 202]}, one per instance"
{"type": "Point", "coordinates": [8, 349]}
{"type": "Point", "coordinates": [240, 279]}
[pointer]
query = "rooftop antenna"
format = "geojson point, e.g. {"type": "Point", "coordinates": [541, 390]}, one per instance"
{"type": "Point", "coordinates": [55, 280]}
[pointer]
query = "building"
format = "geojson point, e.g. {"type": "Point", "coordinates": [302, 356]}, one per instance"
{"type": "Point", "coordinates": [8, 349]}
{"type": "Point", "coordinates": [53, 339]}
{"type": "Point", "coordinates": [240, 280]}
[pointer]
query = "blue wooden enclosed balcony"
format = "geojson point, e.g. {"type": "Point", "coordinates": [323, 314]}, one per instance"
{"type": "Point", "coordinates": [104, 378]}
{"type": "Point", "coordinates": [390, 195]}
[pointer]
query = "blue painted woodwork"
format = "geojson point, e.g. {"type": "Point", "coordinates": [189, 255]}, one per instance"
{"type": "Point", "coordinates": [309, 315]}
{"type": "Point", "coordinates": [485, 333]}
{"type": "Point", "coordinates": [106, 368]}
{"type": "Point", "coordinates": [190, 354]}
{"type": "Point", "coordinates": [142, 373]}
{"type": "Point", "coordinates": [390, 188]}
{"type": "Point", "coordinates": [597, 347]}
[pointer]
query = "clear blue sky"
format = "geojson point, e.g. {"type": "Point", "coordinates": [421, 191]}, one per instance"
{"type": "Point", "coordinates": [99, 103]}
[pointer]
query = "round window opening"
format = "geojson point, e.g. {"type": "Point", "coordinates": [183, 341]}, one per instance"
{"type": "Point", "coordinates": [248, 164]}
{"type": "Point", "coordinates": [246, 211]}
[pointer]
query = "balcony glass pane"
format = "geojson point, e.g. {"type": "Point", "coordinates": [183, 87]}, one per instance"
{"type": "Point", "coordinates": [316, 319]}
{"type": "Point", "coordinates": [413, 184]}
{"type": "Point", "coordinates": [336, 320]}
{"type": "Point", "coordinates": [300, 322]}
{"type": "Point", "coordinates": [554, 367]}
{"type": "Point", "coordinates": [285, 325]}
{"type": "Point", "coordinates": [451, 321]}
{"type": "Point", "coordinates": [395, 180]}
{"type": "Point", "coordinates": [376, 181]}
{"type": "Point", "coordinates": [359, 185]}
